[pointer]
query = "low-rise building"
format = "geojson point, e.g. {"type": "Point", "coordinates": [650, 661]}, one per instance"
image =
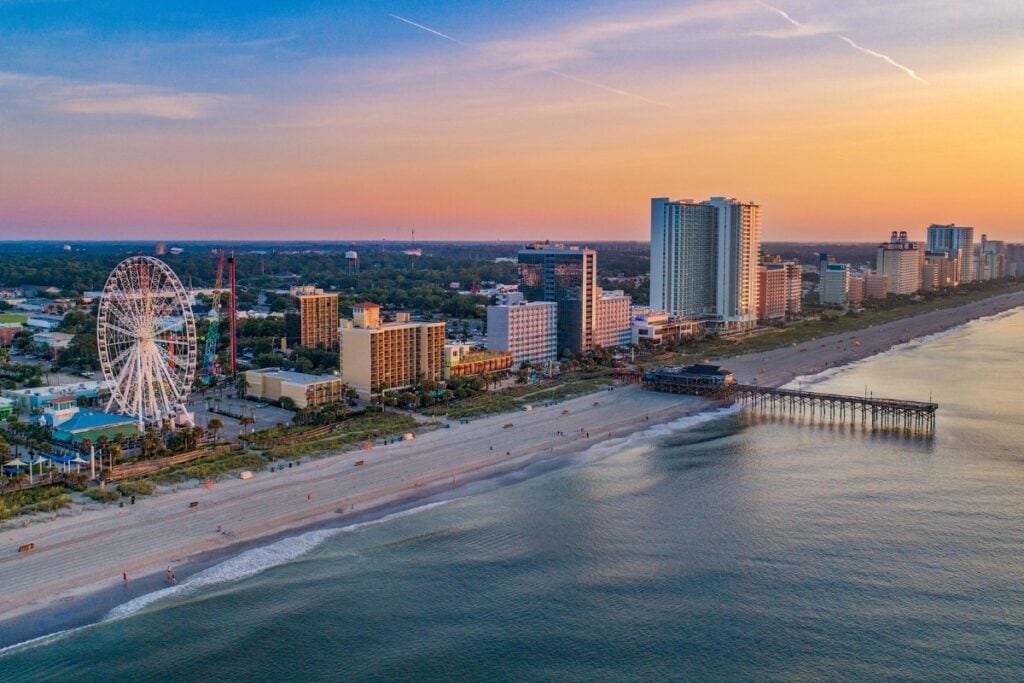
{"type": "Point", "coordinates": [306, 391]}
{"type": "Point", "coordinates": [6, 408]}
{"type": "Point", "coordinates": [74, 426]}
{"type": "Point", "coordinates": [527, 330]}
{"type": "Point", "coordinates": [44, 321]}
{"type": "Point", "coordinates": [54, 342]}
{"type": "Point", "coordinates": [36, 398]}
{"type": "Point", "coordinates": [465, 360]}
{"type": "Point", "coordinates": [376, 356]}
{"type": "Point", "coordinates": [658, 327]}
{"type": "Point", "coordinates": [7, 332]}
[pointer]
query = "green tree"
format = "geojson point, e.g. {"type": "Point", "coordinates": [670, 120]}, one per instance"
{"type": "Point", "coordinates": [215, 425]}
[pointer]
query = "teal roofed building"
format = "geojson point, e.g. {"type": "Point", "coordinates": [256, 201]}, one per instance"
{"type": "Point", "coordinates": [88, 424]}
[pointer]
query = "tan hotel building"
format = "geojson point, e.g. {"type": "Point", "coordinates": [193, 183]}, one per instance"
{"type": "Point", "coordinates": [313, 321]}
{"type": "Point", "coordinates": [376, 356]}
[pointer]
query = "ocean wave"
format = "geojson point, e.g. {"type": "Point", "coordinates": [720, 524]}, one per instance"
{"type": "Point", "coordinates": [650, 435]}
{"type": "Point", "coordinates": [254, 561]}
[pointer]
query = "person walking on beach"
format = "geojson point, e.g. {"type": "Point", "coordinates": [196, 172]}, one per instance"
{"type": "Point", "coordinates": [170, 576]}
{"type": "Point", "coordinates": [124, 578]}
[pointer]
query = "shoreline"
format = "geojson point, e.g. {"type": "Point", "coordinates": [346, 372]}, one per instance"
{"type": "Point", "coordinates": [93, 549]}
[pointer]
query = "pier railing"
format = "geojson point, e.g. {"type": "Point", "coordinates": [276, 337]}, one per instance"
{"type": "Point", "coordinates": [876, 413]}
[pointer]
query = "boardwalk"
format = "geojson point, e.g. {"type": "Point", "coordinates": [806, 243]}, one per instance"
{"type": "Point", "coordinates": [876, 413]}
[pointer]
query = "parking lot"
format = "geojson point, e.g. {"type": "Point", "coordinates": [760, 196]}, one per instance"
{"type": "Point", "coordinates": [202, 409]}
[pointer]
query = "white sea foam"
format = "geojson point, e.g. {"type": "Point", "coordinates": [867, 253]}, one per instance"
{"type": "Point", "coordinates": [254, 561]}
{"type": "Point", "coordinates": [651, 434]}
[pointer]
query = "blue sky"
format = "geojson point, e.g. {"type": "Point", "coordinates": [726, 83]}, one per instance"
{"type": "Point", "coordinates": [328, 118]}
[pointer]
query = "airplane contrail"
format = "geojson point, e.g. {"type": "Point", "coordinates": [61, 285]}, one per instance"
{"type": "Point", "coordinates": [553, 72]}
{"type": "Point", "coordinates": [849, 41]}
{"type": "Point", "coordinates": [428, 29]}
{"type": "Point", "coordinates": [885, 58]}
{"type": "Point", "coordinates": [781, 14]}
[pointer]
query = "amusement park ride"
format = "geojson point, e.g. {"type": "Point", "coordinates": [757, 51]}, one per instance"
{"type": "Point", "coordinates": [147, 341]}
{"type": "Point", "coordinates": [211, 365]}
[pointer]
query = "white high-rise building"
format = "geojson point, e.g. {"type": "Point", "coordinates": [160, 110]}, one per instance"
{"type": "Point", "coordinates": [835, 284]}
{"type": "Point", "coordinates": [528, 330]}
{"type": "Point", "coordinates": [901, 260]}
{"type": "Point", "coordinates": [613, 326]}
{"type": "Point", "coordinates": [704, 258]}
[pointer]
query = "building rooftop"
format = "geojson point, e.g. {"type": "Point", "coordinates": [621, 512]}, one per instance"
{"type": "Point", "coordinates": [61, 390]}
{"type": "Point", "coordinates": [295, 377]}
{"type": "Point", "coordinates": [85, 420]}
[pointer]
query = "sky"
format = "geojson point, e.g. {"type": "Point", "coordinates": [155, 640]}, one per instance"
{"type": "Point", "coordinates": [506, 119]}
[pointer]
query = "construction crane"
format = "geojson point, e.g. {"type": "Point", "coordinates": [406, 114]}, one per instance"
{"type": "Point", "coordinates": [210, 364]}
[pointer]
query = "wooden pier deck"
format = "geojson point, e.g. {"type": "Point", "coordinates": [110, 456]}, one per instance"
{"type": "Point", "coordinates": [868, 411]}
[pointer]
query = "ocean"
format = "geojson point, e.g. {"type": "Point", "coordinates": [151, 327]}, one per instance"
{"type": "Point", "coordinates": [722, 547]}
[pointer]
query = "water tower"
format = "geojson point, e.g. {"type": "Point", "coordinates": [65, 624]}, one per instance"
{"type": "Point", "coordinates": [352, 261]}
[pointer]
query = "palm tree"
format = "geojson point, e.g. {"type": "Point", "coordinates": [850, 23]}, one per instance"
{"type": "Point", "coordinates": [215, 425]}
{"type": "Point", "coordinates": [115, 452]}
{"type": "Point", "coordinates": [245, 420]}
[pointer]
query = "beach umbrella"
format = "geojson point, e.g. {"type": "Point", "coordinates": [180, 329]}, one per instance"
{"type": "Point", "coordinates": [16, 463]}
{"type": "Point", "coordinates": [79, 461]}
{"type": "Point", "coordinates": [38, 461]}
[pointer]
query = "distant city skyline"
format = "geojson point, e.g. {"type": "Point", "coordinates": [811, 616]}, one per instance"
{"type": "Point", "coordinates": [474, 121]}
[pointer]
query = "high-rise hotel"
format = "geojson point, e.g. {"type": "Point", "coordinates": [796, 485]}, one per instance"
{"type": "Point", "coordinates": [704, 258]}
{"type": "Point", "coordinates": [566, 275]}
{"type": "Point", "coordinates": [957, 242]}
{"type": "Point", "coordinates": [378, 356]}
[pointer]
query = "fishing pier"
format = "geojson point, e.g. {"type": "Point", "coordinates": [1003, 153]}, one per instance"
{"type": "Point", "coordinates": [874, 413]}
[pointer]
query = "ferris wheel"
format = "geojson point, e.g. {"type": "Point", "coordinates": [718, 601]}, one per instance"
{"type": "Point", "coordinates": [146, 336]}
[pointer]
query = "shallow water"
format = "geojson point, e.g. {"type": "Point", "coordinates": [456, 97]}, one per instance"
{"type": "Point", "coordinates": [736, 549]}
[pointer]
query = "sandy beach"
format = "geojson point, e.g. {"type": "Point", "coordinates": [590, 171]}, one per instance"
{"type": "Point", "coordinates": [83, 553]}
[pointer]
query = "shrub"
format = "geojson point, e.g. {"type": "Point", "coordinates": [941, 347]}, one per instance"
{"type": "Point", "coordinates": [136, 488]}
{"type": "Point", "coordinates": [102, 495]}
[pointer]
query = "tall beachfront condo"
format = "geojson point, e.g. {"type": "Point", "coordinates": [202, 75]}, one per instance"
{"type": "Point", "coordinates": [566, 275]}
{"type": "Point", "coordinates": [527, 330]}
{"type": "Point", "coordinates": [779, 290]}
{"type": "Point", "coordinates": [614, 327]}
{"type": "Point", "coordinates": [901, 260]}
{"type": "Point", "coordinates": [958, 242]}
{"type": "Point", "coordinates": [312, 318]}
{"type": "Point", "coordinates": [704, 259]}
{"type": "Point", "coordinates": [378, 356]}
{"type": "Point", "coordinates": [835, 285]}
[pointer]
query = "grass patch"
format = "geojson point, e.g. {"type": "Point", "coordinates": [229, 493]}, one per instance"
{"type": "Point", "coordinates": [211, 468]}
{"type": "Point", "coordinates": [13, 318]}
{"type": "Point", "coordinates": [514, 398]}
{"type": "Point", "coordinates": [103, 495]}
{"type": "Point", "coordinates": [41, 499]}
{"type": "Point", "coordinates": [348, 434]}
{"type": "Point", "coordinates": [139, 487]}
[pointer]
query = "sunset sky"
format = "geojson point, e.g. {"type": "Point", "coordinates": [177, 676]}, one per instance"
{"type": "Point", "coordinates": [506, 120]}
